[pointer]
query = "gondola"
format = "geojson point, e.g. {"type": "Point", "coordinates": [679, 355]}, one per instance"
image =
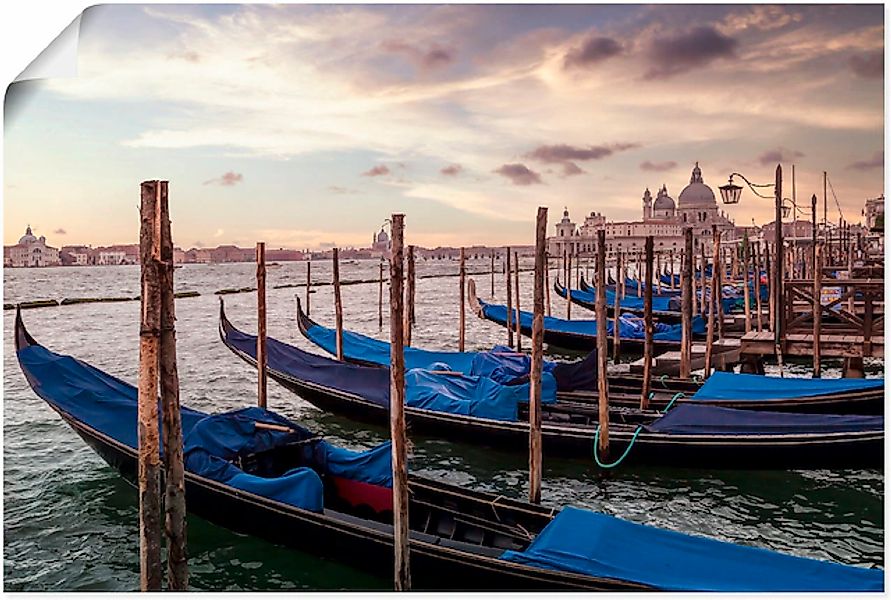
{"type": "Point", "coordinates": [577, 381]}
{"type": "Point", "coordinates": [581, 334]}
{"type": "Point", "coordinates": [688, 435]}
{"type": "Point", "coordinates": [255, 472]}
{"type": "Point", "coordinates": [662, 311]}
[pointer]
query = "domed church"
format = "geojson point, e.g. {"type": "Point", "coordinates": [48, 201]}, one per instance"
{"type": "Point", "coordinates": [31, 251]}
{"type": "Point", "coordinates": [663, 218]}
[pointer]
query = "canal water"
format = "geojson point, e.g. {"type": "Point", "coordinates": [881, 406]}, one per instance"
{"type": "Point", "coordinates": [70, 523]}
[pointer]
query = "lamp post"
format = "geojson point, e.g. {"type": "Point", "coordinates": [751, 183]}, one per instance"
{"type": "Point", "coordinates": [730, 194]}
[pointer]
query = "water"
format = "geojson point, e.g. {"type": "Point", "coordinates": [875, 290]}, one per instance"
{"type": "Point", "coordinates": [70, 523]}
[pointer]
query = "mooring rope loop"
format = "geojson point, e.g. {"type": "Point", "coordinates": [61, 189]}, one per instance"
{"type": "Point", "coordinates": [662, 380]}
{"type": "Point", "coordinates": [673, 400]}
{"type": "Point", "coordinates": [624, 454]}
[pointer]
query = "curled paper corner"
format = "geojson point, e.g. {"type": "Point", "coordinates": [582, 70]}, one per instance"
{"type": "Point", "coordinates": [58, 59]}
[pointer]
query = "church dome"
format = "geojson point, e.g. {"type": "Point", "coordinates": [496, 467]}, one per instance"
{"type": "Point", "coordinates": [28, 238]}
{"type": "Point", "coordinates": [697, 194]}
{"type": "Point", "coordinates": [382, 237]}
{"type": "Point", "coordinates": [663, 200]}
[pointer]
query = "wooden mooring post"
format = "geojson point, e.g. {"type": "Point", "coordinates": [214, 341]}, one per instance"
{"type": "Point", "coordinates": [462, 274]}
{"type": "Point", "coordinates": [756, 268]}
{"type": "Point", "coordinates": [409, 308]}
{"type": "Point", "coordinates": [747, 297]}
{"type": "Point", "coordinates": [567, 268]}
{"type": "Point", "coordinates": [535, 454]}
{"type": "Point", "coordinates": [517, 299]}
{"type": "Point", "coordinates": [308, 283]}
{"type": "Point", "coordinates": [174, 472]}
{"type": "Point", "coordinates": [818, 308]}
{"type": "Point", "coordinates": [602, 381]}
{"type": "Point", "coordinates": [493, 274]}
{"type": "Point", "coordinates": [713, 300]}
{"type": "Point", "coordinates": [687, 305]}
{"type": "Point", "coordinates": [547, 283]}
{"type": "Point", "coordinates": [261, 324]}
{"type": "Point", "coordinates": [617, 308]}
{"type": "Point", "coordinates": [380, 294]}
{"type": "Point", "coordinates": [148, 468]}
{"type": "Point", "coordinates": [648, 325]}
{"type": "Point", "coordinates": [401, 571]}
{"type": "Point", "coordinates": [510, 307]}
{"type": "Point", "coordinates": [338, 304]}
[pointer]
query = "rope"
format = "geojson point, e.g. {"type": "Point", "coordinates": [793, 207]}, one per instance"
{"type": "Point", "coordinates": [624, 454]}
{"type": "Point", "coordinates": [673, 399]}
{"type": "Point", "coordinates": [662, 381]}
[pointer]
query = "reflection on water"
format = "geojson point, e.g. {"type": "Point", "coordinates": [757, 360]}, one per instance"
{"type": "Point", "coordinates": [70, 522]}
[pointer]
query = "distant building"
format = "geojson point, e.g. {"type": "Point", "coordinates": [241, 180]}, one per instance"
{"type": "Point", "coordinates": [76, 255]}
{"type": "Point", "coordinates": [662, 219]}
{"type": "Point", "coordinates": [380, 243]}
{"type": "Point", "coordinates": [874, 211]}
{"type": "Point", "coordinates": [31, 251]}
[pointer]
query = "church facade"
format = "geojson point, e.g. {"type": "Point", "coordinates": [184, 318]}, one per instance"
{"type": "Point", "coordinates": [662, 218]}
{"type": "Point", "coordinates": [31, 251]}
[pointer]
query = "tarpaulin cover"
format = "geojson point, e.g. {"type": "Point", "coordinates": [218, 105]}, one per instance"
{"type": "Point", "coordinates": [630, 288]}
{"type": "Point", "coordinates": [723, 385]}
{"type": "Point", "coordinates": [501, 364]}
{"type": "Point", "coordinates": [215, 441]}
{"type": "Point", "coordinates": [631, 303]}
{"type": "Point", "coordinates": [472, 396]}
{"type": "Point", "coordinates": [373, 383]}
{"type": "Point", "coordinates": [692, 419]}
{"type": "Point", "coordinates": [629, 328]}
{"type": "Point", "coordinates": [91, 396]}
{"type": "Point", "coordinates": [582, 541]}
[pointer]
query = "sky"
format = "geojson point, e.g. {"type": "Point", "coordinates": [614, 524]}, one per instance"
{"type": "Point", "coordinates": [307, 126]}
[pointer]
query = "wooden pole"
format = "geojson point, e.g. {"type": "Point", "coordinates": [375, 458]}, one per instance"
{"type": "Point", "coordinates": [338, 304]}
{"type": "Point", "coordinates": [703, 279]}
{"type": "Point", "coordinates": [402, 572]}
{"type": "Point", "coordinates": [535, 459]}
{"type": "Point", "coordinates": [671, 269]}
{"type": "Point", "coordinates": [547, 283]}
{"type": "Point", "coordinates": [757, 275]}
{"type": "Point", "coordinates": [617, 308]}
{"type": "Point", "coordinates": [602, 382]}
{"type": "Point", "coordinates": [818, 308]}
{"type": "Point", "coordinates": [493, 274]}
{"type": "Point", "coordinates": [148, 468]}
{"type": "Point", "coordinates": [747, 298]}
{"type": "Point", "coordinates": [648, 325]}
{"type": "Point", "coordinates": [261, 325]}
{"type": "Point", "coordinates": [380, 295]}
{"type": "Point", "coordinates": [174, 474]}
{"type": "Point", "coordinates": [462, 274]}
{"type": "Point", "coordinates": [719, 283]}
{"type": "Point", "coordinates": [771, 282]}
{"type": "Point", "coordinates": [517, 299]}
{"type": "Point", "coordinates": [713, 300]}
{"type": "Point", "coordinates": [640, 276]}
{"type": "Point", "coordinates": [778, 263]}
{"type": "Point", "coordinates": [686, 304]}
{"type": "Point", "coordinates": [510, 306]}
{"type": "Point", "coordinates": [309, 282]}
{"type": "Point", "coordinates": [409, 308]}
{"type": "Point", "coordinates": [568, 269]}
{"type": "Point", "coordinates": [659, 270]}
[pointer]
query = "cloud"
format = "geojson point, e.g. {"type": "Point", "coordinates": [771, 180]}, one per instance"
{"type": "Point", "coordinates": [665, 165]}
{"type": "Point", "coordinates": [869, 65]}
{"type": "Point", "coordinates": [60, 231]}
{"type": "Point", "coordinates": [876, 162]}
{"type": "Point", "coordinates": [229, 178]}
{"type": "Point", "coordinates": [519, 174]}
{"type": "Point", "coordinates": [336, 189]}
{"type": "Point", "coordinates": [377, 171]}
{"type": "Point", "coordinates": [451, 170]}
{"type": "Point", "coordinates": [673, 55]}
{"type": "Point", "coordinates": [561, 153]}
{"type": "Point", "coordinates": [433, 57]}
{"type": "Point", "coordinates": [779, 155]}
{"type": "Point", "coordinates": [570, 169]}
{"type": "Point", "coordinates": [593, 50]}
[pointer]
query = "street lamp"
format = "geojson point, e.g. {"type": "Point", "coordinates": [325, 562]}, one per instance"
{"type": "Point", "coordinates": [730, 194]}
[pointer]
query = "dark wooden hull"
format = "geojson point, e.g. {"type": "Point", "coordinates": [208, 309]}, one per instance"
{"type": "Point", "coordinates": [364, 544]}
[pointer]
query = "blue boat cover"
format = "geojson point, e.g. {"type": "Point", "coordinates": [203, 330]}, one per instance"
{"type": "Point", "coordinates": [460, 394]}
{"type": "Point", "coordinates": [630, 328]}
{"type": "Point", "coordinates": [629, 302]}
{"type": "Point", "coordinates": [589, 543]}
{"type": "Point", "coordinates": [699, 419]}
{"type": "Point", "coordinates": [723, 385]}
{"type": "Point", "coordinates": [109, 405]}
{"type": "Point", "coordinates": [501, 364]}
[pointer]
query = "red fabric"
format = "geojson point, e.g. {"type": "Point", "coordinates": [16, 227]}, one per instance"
{"type": "Point", "coordinates": [379, 498]}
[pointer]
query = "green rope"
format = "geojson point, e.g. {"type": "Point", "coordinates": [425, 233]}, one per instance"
{"type": "Point", "coordinates": [673, 399]}
{"type": "Point", "coordinates": [624, 454]}
{"type": "Point", "coordinates": [662, 381]}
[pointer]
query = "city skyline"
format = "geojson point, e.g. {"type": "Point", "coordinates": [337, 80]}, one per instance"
{"type": "Point", "coordinates": [306, 126]}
